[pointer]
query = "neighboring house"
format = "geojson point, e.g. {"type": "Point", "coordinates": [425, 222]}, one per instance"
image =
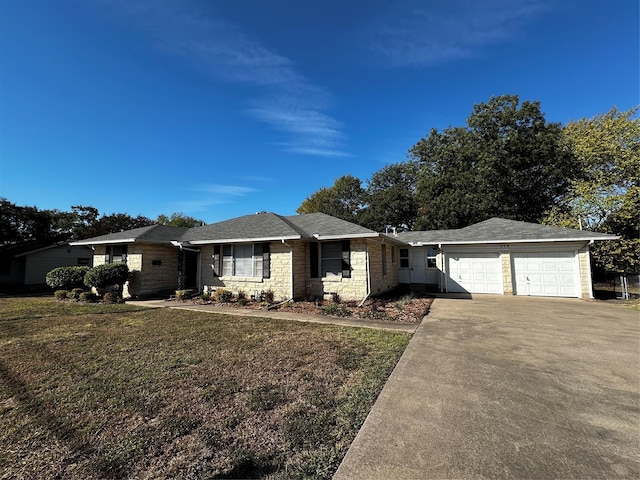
{"type": "Point", "coordinates": [316, 255]}
{"type": "Point", "coordinates": [503, 257]}
{"type": "Point", "coordinates": [29, 265]}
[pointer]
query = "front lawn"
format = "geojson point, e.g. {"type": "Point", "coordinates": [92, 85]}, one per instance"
{"type": "Point", "coordinates": [94, 391]}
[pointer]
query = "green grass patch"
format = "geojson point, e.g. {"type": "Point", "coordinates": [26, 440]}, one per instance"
{"type": "Point", "coordinates": [90, 391]}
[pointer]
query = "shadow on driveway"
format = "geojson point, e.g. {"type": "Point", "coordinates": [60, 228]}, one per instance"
{"type": "Point", "coordinates": [509, 387]}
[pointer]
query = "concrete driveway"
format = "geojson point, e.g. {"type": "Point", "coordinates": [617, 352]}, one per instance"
{"type": "Point", "coordinates": [509, 387]}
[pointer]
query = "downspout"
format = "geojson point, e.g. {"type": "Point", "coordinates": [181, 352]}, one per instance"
{"type": "Point", "coordinates": [291, 269]}
{"type": "Point", "coordinates": [368, 276]}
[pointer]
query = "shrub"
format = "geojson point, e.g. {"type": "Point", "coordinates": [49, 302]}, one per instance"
{"type": "Point", "coordinates": [111, 297]}
{"type": "Point", "coordinates": [75, 293]}
{"type": "Point", "coordinates": [61, 294]}
{"type": "Point", "coordinates": [205, 296]}
{"type": "Point", "coordinates": [268, 296]}
{"type": "Point", "coordinates": [221, 295]}
{"type": "Point", "coordinates": [66, 278]}
{"type": "Point", "coordinates": [241, 295]}
{"type": "Point", "coordinates": [181, 294]}
{"type": "Point", "coordinates": [87, 297]}
{"type": "Point", "coordinates": [335, 297]}
{"type": "Point", "coordinates": [106, 275]}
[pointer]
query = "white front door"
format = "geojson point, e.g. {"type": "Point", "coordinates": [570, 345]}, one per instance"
{"type": "Point", "coordinates": [548, 274]}
{"type": "Point", "coordinates": [418, 263]}
{"type": "Point", "coordinates": [474, 273]}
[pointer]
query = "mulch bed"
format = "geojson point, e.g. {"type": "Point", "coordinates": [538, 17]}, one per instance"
{"type": "Point", "coordinates": [403, 310]}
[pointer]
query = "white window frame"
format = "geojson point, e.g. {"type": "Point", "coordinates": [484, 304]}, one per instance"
{"type": "Point", "coordinates": [231, 267]}
{"type": "Point", "coordinates": [325, 260]}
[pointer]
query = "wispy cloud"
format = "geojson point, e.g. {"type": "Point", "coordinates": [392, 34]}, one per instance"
{"type": "Point", "coordinates": [230, 190]}
{"type": "Point", "coordinates": [288, 102]}
{"type": "Point", "coordinates": [422, 33]}
{"type": "Point", "coordinates": [210, 195]}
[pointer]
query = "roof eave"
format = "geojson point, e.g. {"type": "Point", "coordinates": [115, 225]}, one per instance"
{"type": "Point", "coordinates": [102, 242]}
{"type": "Point", "coordinates": [244, 240]}
{"type": "Point", "coordinates": [317, 236]}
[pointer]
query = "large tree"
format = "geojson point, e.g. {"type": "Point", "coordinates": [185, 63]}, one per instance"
{"type": "Point", "coordinates": [345, 199]}
{"type": "Point", "coordinates": [179, 219]}
{"type": "Point", "coordinates": [607, 196]}
{"type": "Point", "coordinates": [508, 161]}
{"type": "Point", "coordinates": [391, 193]}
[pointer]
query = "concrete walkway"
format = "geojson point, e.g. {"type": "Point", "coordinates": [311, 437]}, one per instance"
{"type": "Point", "coordinates": [509, 387]}
{"type": "Point", "coordinates": [298, 317]}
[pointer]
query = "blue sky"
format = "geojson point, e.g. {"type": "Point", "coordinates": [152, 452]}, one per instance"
{"type": "Point", "coordinates": [223, 108]}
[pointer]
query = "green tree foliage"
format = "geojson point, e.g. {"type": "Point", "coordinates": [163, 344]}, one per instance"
{"type": "Point", "coordinates": [23, 224]}
{"type": "Point", "coordinates": [118, 222]}
{"type": "Point", "coordinates": [606, 197]}
{"type": "Point", "coordinates": [345, 199]}
{"type": "Point", "coordinates": [391, 194]}
{"type": "Point", "coordinates": [508, 161]}
{"type": "Point", "coordinates": [179, 219]}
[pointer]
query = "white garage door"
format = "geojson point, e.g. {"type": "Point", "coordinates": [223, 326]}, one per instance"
{"type": "Point", "coordinates": [548, 274]}
{"type": "Point", "coordinates": [474, 273]}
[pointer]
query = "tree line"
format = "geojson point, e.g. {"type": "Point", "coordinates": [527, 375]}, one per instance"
{"type": "Point", "coordinates": [508, 161]}
{"type": "Point", "coordinates": [25, 225]}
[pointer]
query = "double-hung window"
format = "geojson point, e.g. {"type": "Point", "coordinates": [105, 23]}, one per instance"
{"type": "Point", "coordinates": [116, 254]}
{"type": "Point", "coordinates": [330, 259]}
{"type": "Point", "coordinates": [248, 260]}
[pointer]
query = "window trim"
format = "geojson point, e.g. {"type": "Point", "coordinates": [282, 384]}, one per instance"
{"type": "Point", "coordinates": [260, 260]}
{"type": "Point", "coordinates": [316, 259]}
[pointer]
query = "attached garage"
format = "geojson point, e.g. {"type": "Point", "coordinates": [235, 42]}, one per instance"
{"type": "Point", "coordinates": [548, 274]}
{"type": "Point", "coordinates": [508, 257]}
{"type": "Point", "coordinates": [474, 272]}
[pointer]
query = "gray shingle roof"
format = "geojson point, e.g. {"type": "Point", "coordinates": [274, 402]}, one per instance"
{"type": "Point", "coordinates": [321, 225]}
{"type": "Point", "coordinates": [499, 230]}
{"type": "Point", "coordinates": [260, 226]}
{"type": "Point", "coordinates": [150, 234]}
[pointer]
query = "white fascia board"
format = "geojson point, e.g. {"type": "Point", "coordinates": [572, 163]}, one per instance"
{"type": "Point", "coordinates": [533, 240]}
{"type": "Point", "coordinates": [317, 236]}
{"type": "Point", "coordinates": [103, 242]}
{"type": "Point", "coordinates": [243, 240]}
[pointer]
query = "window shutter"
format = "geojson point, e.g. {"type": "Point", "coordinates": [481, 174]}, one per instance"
{"type": "Point", "coordinates": [216, 260]}
{"type": "Point", "coordinates": [346, 259]}
{"type": "Point", "coordinates": [266, 261]}
{"type": "Point", "coordinates": [313, 259]}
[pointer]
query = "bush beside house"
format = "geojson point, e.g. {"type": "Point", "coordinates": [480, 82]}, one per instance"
{"type": "Point", "coordinates": [68, 281]}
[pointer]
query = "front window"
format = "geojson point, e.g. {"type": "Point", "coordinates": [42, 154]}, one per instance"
{"type": "Point", "coordinates": [431, 257]}
{"type": "Point", "coordinates": [117, 254]}
{"type": "Point", "coordinates": [384, 259]}
{"type": "Point", "coordinates": [404, 258]}
{"type": "Point", "coordinates": [331, 259]}
{"type": "Point", "coordinates": [245, 260]}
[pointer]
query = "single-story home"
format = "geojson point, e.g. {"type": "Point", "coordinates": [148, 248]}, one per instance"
{"type": "Point", "coordinates": [28, 265]}
{"type": "Point", "coordinates": [317, 255]}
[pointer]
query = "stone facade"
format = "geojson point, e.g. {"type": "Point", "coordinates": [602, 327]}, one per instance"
{"type": "Point", "coordinates": [280, 281]}
{"type": "Point", "coordinates": [153, 268]}
{"type": "Point", "coordinates": [290, 275]}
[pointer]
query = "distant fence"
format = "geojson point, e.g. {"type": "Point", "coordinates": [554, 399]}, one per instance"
{"type": "Point", "coordinates": [616, 285]}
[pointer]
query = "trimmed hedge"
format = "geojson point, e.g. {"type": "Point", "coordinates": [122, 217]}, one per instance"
{"type": "Point", "coordinates": [106, 275]}
{"type": "Point", "coordinates": [67, 278]}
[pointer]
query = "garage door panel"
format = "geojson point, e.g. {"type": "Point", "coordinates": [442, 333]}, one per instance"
{"type": "Point", "coordinates": [474, 273]}
{"type": "Point", "coordinates": [552, 274]}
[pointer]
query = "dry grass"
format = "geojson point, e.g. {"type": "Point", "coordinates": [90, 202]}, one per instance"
{"type": "Point", "coordinates": [95, 391]}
